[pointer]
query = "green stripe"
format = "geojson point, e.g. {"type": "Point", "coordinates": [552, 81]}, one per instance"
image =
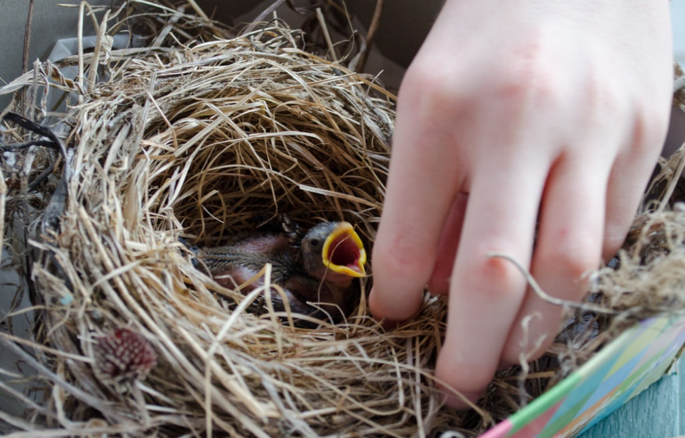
{"type": "Point", "coordinates": [546, 401]}
{"type": "Point", "coordinates": [541, 404]}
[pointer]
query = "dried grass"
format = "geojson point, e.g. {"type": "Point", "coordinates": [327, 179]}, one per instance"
{"type": "Point", "coordinates": [191, 141]}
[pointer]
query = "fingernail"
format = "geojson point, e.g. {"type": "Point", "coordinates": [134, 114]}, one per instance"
{"type": "Point", "coordinates": [455, 401]}
{"type": "Point", "coordinates": [503, 365]}
{"type": "Point", "coordinates": [388, 316]}
{"type": "Point", "coordinates": [389, 324]}
{"type": "Point", "coordinates": [435, 287]}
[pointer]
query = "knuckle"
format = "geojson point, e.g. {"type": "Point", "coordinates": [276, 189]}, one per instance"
{"type": "Point", "coordinates": [434, 101]}
{"type": "Point", "coordinates": [531, 76]}
{"type": "Point", "coordinates": [613, 240]}
{"type": "Point", "coordinates": [573, 262]}
{"type": "Point", "coordinates": [431, 88]}
{"type": "Point", "coordinates": [650, 129]}
{"type": "Point", "coordinates": [391, 309]}
{"type": "Point", "coordinates": [498, 276]}
{"type": "Point", "coordinates": [528, 85]}
{"type": "Point", "coordinates": [397, 258]}
{"type": "Point", "coordinates": [516, 352]}
{"type": "Point", "coordinates": [647, 116]}
{"type": "Point", "coordinates": [460, 375]}
{"type": "Point", "coordinates": [601, 94]}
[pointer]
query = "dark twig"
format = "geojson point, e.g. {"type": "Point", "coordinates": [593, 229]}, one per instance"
{"type": "Point", "coordinates": [35, 128]}
{"type": "Point", "coordinates": [370, 36]}
{"type": "Point", "coordinates": [262, 16]}
{"type": "Point", "coordinates": [297, 9]}
{"type": "Point", "coordinates": [56, 205]}
{"type": "Point", "coordinates": [269, 10]}
{"type": "Point", "coordinates": [25, 56]}
{"type": "Point", "coordinates": [46, 143]}
{"type": "Point", "coordinates": [43, 176]}
{"type": "Point", "coordinates": [27, 39]}
{"type": "Point", "coordinates": [15, 146]}
{"type": "Point", "coordinates": [55, 208]}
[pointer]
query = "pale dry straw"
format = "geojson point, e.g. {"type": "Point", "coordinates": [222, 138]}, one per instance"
{"type": "Point", "coordinates": [196, 140]}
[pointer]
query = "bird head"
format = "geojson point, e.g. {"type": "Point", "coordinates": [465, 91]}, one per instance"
{"type": "Point", "coordinates": [333, 251]}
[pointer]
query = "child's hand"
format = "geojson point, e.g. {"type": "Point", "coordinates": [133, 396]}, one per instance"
{"type": "Point", "coordinates": [514, 111]}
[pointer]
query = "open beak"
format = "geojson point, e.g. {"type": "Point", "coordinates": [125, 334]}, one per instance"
{"type": "Point", "coordinates": [343, 251]}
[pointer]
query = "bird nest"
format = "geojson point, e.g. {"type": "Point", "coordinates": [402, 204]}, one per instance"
{"type": "Point", "coordinates": [204, 141]}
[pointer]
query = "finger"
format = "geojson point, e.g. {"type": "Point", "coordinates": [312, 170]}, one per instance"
{"type": "Point", "coordinates": [447, 249]}
{"type": "Point", "coordinates": [628, 180]}
{"type": "Point", "coordinates": [485, 293]}
{"type": "Point", "coordinates": [568, 247]}
{"type": "Point", "coordinates": [624, 193]}
{"type": "Point", "coordinates": [423, 180]}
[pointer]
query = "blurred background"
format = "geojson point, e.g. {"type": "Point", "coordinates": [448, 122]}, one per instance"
{"type": "Point", "coordinates": [678, 21]}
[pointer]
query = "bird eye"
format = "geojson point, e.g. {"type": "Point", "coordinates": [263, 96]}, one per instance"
{"type": "Point", "coordinates": [315, 242]}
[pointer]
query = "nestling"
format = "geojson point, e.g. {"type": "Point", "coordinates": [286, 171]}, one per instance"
{"type": "Point", "coordinates": [316, 270]}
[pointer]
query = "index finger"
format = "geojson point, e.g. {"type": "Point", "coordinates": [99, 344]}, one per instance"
{"type": "Point", "coordinates": [424, 178]}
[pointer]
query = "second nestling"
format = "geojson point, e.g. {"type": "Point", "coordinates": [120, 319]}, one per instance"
{"type": "Point", "coordinates": [315, 268]}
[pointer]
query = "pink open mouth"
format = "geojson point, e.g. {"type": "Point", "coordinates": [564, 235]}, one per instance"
{"type": "Point", "coordinates": [343, 251]}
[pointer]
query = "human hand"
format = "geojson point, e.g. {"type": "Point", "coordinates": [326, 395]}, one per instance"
{"type": "Point", "coordinates": [513, 111]}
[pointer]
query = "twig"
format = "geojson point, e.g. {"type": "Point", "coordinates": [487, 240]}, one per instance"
{"type": "Point", "coordinates": [262, 16]}
{"type": "Point", "coordinates": [79, 38]}
{"type": "Point", "coordinates": [43, 176]}
{"type": "Point", "coordinates": [74, 391]}
{"type": "Point", "coordinates": [370, 36]}
{"type": "Point", "coordinates": [92, 74]}
{"type": "Point", "coordinates": [25, 55]}
{"type": "Point", "coordinates": [24, 399]}
{"type": "Point", "coordinates": [53, 211]}
{"type": "Point", "coordinates": [66, 355]}
{"type": "Point", "coordinates": [38, 129]}
{"type": "Point", "coordinates": [3, 199]}
{"type": "Point", "coordinates": [15, 146]}
{"type": "Point", "coordinates": [295, 8]}
{"type": "Point", "coordinates": [198, 10]}
{"type": "Point", "coordinates": [18, 422]}
{"type": "Point", "coordinates": [672, 185]}
{"type": "Point", "coordinates": [27, 39]}
{"type": "Point", "coordinates": [326, 35]}
{"type": "Point", "coordinates": [542, 294]}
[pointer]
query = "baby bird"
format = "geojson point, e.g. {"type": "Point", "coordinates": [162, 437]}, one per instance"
{"type": "Point", "coordinates": [317, 268]}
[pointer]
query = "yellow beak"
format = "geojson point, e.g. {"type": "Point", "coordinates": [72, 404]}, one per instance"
{"type": "Point", "coordinates": [343, 251]}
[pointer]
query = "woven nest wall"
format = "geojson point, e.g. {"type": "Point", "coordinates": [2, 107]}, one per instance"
{"type": "Point", "coordinates": [203, 141]}
{"type": "Point", "coordinates": [196, 142]}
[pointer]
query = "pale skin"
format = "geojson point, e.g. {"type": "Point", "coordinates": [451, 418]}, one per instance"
{"type": "Point", "coordinates": [528, 128]}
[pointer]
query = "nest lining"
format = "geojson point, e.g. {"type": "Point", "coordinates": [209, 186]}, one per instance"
{"type": "Point", "coordinates": [192, 141]}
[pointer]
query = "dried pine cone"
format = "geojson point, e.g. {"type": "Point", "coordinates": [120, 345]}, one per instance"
{"type": "Point", "coordinates": [123, 356]}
